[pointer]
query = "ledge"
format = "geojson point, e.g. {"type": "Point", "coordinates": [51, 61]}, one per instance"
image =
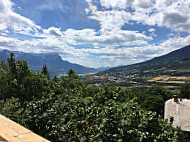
{"type": "Point", "coordinates": [13, 132]}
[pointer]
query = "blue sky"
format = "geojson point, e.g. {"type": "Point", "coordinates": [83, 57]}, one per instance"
{"type": "Point", "coordinates": [95, 33]}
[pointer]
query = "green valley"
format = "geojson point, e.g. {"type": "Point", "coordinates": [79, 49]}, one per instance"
{"type": "Point", "coordinates": [170, 70]}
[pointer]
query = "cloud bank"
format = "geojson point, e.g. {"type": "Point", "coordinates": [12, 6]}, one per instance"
{"type": "Point", "coordinates": [113, 42]}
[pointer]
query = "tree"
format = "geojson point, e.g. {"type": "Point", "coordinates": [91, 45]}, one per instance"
{"type": "Point", "coordinates": [4, 65]}
{"type": "Point", "coordinates": [55, 78]}
{"type": "Point", "coordinates": [159, 91]}
{"type": "Point", "coordinates": [71, 73]}
{"type": "Point", "coordinates": [12, 63]}
{"type": "Point", "coordinates": [67, 111]}
{"type": "Point", "coordinates": [22, 69]}
{"type": "Point", "coordinates": [45, 71]}
{"type": "Point", "coordinates": [185, 91]}
{"type": "Point", "coordinates": [140, 94]}
{"type": "Point", "coordinates": [155, 99]}
{"type": "Point", "coordinates": [18, 81]}
{"type": "Point", "coordinates": [154, 103]}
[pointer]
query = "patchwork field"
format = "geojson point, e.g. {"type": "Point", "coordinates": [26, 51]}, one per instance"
{"type": "Point", "coordinates": [170, 79]}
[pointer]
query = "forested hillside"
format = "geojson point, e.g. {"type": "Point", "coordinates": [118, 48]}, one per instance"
{"type": "Point", "coordinates": [172, 69]}
{"type": "Point", "coordinates": [178, 59]}
{"type": "Point", "coordinates": [68, 110]}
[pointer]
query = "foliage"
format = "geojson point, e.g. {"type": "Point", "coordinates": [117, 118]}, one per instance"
{"type": "Point", "coordinates": [134, 92]}
{"type": "Point", "coordinates": [185, 91]}
{"type": "Point", "coordinates": [66, 110]}
{"type": "Point", "coordinates": [155, 99]}
{"type": "Point", "coordinates": [154, 103]}
{"type": "Point", "coordinates": [159, 91]}
{"type": "Point", "coordinates": [45, 71]}
{"type": "Point", "coordinates": [17, 80]}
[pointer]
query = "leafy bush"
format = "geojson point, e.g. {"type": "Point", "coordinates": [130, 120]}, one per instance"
{"type": "Point", "coordinates": [66, 110]}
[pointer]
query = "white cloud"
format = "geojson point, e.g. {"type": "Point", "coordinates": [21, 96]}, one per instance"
{"type": "Point", "coordinates": [10, 19]}
{"type": "Point", "coordinates": [151, 30]}
{"type": "Point", "coordinates": [172, 14]}
{"type": "Point", "coordinates": [103, 56]}
{"type": "Point", "coordinates": [115, 37]}
{"type": "Point", "coordinates": [2, 28]}
{"type": "Point", "coordinates": [121, 4]}
{"type": "Point", "coordinates": [130, 55]}
{"type": "Point", "coordinates": [144, 4]}
{"type": "Point", "coordinates": [112, 45]}
{"type": "Point", "coordinates": [53, 31]}
{"type": "Point", "coordinates": [175, 43]}
{"type": "Point", "coordinates": [110, 20]}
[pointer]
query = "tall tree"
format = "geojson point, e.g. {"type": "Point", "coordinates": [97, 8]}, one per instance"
{"type": "Point", "coordinates": [71, 72]}
{"type": "Point", "coordinates": [4, 65]}
{"type": "Point", "coordinates": [55, 78]}
{"type": "Point", "coordinates": [12, 63]}
{"type": "Point", "coordinates": [45, 70]}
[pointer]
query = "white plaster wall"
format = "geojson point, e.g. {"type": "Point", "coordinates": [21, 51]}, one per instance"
{"type": "Point", "coordinates": [180, 111]}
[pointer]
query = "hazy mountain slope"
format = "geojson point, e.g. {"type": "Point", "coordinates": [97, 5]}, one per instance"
{"type": "Point", "coordinates": [53, 61]}
{"type": "Point", "coordinates": [176, 60]}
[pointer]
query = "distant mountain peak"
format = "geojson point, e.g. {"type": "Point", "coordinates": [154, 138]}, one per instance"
{"type": "Point", "coordinates": [53, 61]}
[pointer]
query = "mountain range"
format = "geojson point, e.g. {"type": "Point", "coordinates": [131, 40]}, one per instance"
{"type": "Point", "coordinates": [175, 63]}
{"type": "Point", "coordinates": [53, 61]}
{"type": "Point", "coordinates": [170, 66]}
{"type": "Point", "coordinates": [178, 59]}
